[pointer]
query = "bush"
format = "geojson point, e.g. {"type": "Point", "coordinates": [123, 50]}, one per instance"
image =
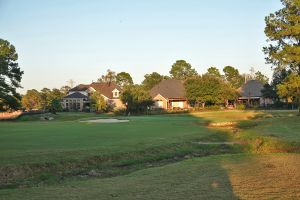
{"type": "Point", "coordinates": [241, 107]}
{"type": "Point", "coordinates": [213, 107]}
{"type": "Point", "coordinates": [120, 111]}
{"type": "Point", "coordinates": [206, 108]}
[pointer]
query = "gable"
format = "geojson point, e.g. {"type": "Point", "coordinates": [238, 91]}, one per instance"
{"type": "Point", "coordinates": [159, 97]}
{"type": "Point", "coordinates": [169, 89]}
{"type": "Point", "coordinates": [106, 89]}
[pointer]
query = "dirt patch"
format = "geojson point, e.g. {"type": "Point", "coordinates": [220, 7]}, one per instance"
{"type": "Point", "coordinates": [218, 143]}
{"type": "Point", "coordinates": [111, 120]}
{"type": "Point", "coordinates": [222, 124]}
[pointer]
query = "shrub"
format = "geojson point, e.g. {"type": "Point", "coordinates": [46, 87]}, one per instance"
{"type": "Point", "coordinates": [241, 107]}
{"type": "Point", "coordinates": [120, 111]}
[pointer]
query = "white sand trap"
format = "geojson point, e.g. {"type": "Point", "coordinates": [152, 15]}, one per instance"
{"type": "Point", "coordinates": [106, 120]}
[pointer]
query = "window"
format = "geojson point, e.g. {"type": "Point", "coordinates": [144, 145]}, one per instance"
{"type": "Point", "coordinates": [115, 93]}
{"type": "Point", "coordinates": [67, 105]}
{"type": "Point", "coordinates": [159, 104]}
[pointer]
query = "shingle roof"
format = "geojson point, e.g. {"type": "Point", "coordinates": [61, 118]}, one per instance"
{"type": "Point", "coordinates": [75, 95]}
{"type": "Point", "coordinates": [81, 87]}
{"type": "Point", "coordinates": [104, 88]}
{"type": "Point", "coordinates": [169, 89]}
{"type": "Point", "coordinates": [251, 88]}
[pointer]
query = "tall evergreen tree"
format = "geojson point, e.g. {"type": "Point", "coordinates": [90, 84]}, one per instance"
{"type": "Point", "coordinates": [283, 30]}
{"type": "Point", "coordinates": [213, 71]}
{"type": "Point", "coordinates": [182, 70]}
{"type": "Point", "coordinates": [10, 76]}
{"type": "Point", "coordinates": [290, 89]}
{"type": "Point", "coordinates": [124, 79]}
{"type": "Point", "coordinates": [233, 77]}
{"type": "Point", "coordinates": [109, 77]}
{"type": "Point", "coordinates": [152, 79]}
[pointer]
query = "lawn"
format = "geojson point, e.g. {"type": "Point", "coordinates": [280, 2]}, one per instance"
{"type": "Point", "coordinates": [46, 141]}
{"type": "Point", "coordinates": [154, 157]}
{"type": "Point", "coordinates": [215, 177]}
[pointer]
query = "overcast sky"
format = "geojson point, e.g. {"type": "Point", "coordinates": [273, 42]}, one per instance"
{"type": "Point", "coordinates": [59, 40]}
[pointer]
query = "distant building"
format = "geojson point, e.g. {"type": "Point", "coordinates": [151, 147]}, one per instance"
{"type": "Point", "coordinates": [78, 98]}
{"type": "Point", "coordinates": [250, 94]}
{"type": "Point", "coordinates": [169, 95]}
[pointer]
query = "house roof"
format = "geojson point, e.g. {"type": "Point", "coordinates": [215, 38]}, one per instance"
{"type": "Point", "coordinates": [75, 95]}
{"type": "Point", "coordinates": [105, 89]}
{"type": "Point", "coordinates": [169, 89]}
{"type": "Point", "coordinates": [251, 88]}
{"type": "Point", "coordinates": [80, 87]}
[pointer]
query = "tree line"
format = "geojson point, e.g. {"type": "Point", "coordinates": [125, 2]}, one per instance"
{"type": "Point", "coordinates": [210, 88]}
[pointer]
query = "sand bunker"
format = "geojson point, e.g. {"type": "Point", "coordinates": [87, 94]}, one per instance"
{"type": "Point", "coordinates": [106, 120]}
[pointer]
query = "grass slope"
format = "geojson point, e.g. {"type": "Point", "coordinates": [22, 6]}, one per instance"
{"type": "Point", "coordinates": [215, 177]}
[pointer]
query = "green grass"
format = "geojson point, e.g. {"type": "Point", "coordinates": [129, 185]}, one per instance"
{"type": "Point", "coordinates": [46, 141]}
{"type": "Point", "coordinates": [214, 177]}
{"type": "Point", "coordinates": [282, 125]}
{"type": "Point", "coordinates": [59, 155]}
{"type": "Point", "coordinates": [226, 116]}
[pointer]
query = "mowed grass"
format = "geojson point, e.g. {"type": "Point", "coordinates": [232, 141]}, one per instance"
{"type": "Point", "coordinates": [226, 116]}
{"type": "Point", "coordinates": [216, 177]}
{"type": "Point", "coordinates": [282, 125]}
{"type": "Point", "coordinates": [144, 158]}
{"type": "Point", "coordinates": [66, 138]}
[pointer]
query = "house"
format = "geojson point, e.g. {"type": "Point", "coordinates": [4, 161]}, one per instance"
{"type": "Point", "coordinates": [78, 98]}
{"type": "Point", "coordinates": [169, 95]}
{"type": "Point", "coordinates": [250, 94]}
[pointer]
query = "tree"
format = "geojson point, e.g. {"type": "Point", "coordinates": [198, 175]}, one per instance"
{"type": "Point", "coordinates": [152, 79]}
{"type": "Point", "coordinates": [55, 97]}
{"type": "Point", "coordinates": [279, 75]}
{"type": "Point", "coordinates": [10, 77]}
{"type": "Point", "coordinates": [50, 99]}
{"type": "Point", "coordinates": [98, 102]}
{"type": "Point", "coordinates": [261, 77]}
{"type": "Point", "coordinates": [65, 89]}
{"type": "Point", "coordinates": [270, 90]}
{"type": "Point", "coordinates": [233, 77]}
{"type": "Point", "coordinates": [136, 99]}
{"type": "Point", "coordinates": [124, 79]}
{"type": "Point", "coordinates": [55, 106]}
{"type": "Point", "coordinates": [208, 90]}
{"type": "Point", "coordinates": [45, 98]}
{"type": "Point", "coordinates": [283, 30]}
{"type": "Point", "coordinates": [109, 77]}
{"type": "Point", "coordinates": [213, 71]}
{"type": "Point", "coordinates": [290, 89]}
{"type": "Point", "coordinates": [182, 70]}
{"type": "Point", "coordinates": [32, 100]}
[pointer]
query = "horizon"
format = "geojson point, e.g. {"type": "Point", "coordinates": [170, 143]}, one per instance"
{"type": "Point", "coordinates": [58, 41]}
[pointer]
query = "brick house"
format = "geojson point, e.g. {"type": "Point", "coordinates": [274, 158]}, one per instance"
{"type": "Point", "coordinates": [169, 95]}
